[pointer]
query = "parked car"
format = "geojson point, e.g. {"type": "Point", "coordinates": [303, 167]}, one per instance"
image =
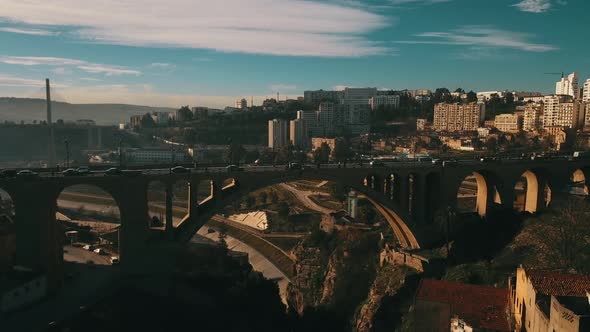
{"type": "Point", "coordinates": [448, 163]}
{"type": "Point", "coordinates": [70, 172]}
{"type": "Point", "coordinates": [82, 170]}
{"type": "Point", "coordinates": [180, 170]}
{"type": "Point", "coordinates": [113, 171]}
{"type": "Point", "coordinates": [488, 159]}
{"type": "Point", "coordinates": [99, 251]}
{"type": "Point", "coordinates": [437, 162]}
{"type": "Point", "coordinates": [88, 247]}
{"type": "Point", "coordinates": [114, 260]}
{"type": "Point", "coordinates": [294, 166]}
{"type": "Point", "coordinates": [27, 174]}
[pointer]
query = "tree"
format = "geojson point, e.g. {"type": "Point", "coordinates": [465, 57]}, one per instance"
{"type": "Point", "coordinates": [283, 210]}
{"type": "Point", "coordinates": [184, 114]}
{"type": "Point", "coordinates": [341, 151]}
{"type": "Point", "coordinates": [234, 153]}
{"type": "Point", "coordinates": [322, 154]}
{"type": "Point", "coordinates": [471, 97]}
{"type": "Point", "coordinates": [250, 201]}
{"type": "Point", "coordinates": [147, 121]}
{"type": "Point", "coordinates": [492, 144]}
{"type": "Point", "coordinates": [262, 197]}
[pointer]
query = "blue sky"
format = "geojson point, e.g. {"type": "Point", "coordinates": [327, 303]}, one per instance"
{"type": "Point", "coordinates": [176, 52]}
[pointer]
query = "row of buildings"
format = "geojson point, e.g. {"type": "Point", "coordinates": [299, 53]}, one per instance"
{"type": "Point", "coordinates": [535, 300]}
{"type": "Point", "coordinates": [371, 97]}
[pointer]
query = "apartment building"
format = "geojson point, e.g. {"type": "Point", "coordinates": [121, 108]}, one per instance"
{"type": "Point", "coordinates": [562, 110]}
{"type": "Point", "coordinates": [509, 123]}
{"type": "Point", "coordinates": [533, 117]}
{"type": "Point", "coordinates": [455, 117]}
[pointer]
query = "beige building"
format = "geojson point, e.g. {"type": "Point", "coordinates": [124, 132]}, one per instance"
{"type": "Point", "coordinates": [298, 132]}
{"type": "Point", "coordinates": [421, 124]}
{"type": "Point", "coordinates": [277, 133]}
{"type": "Point", "coordinates": [316, 142]}
{"type": "Point", "coordinates": [509, 123]}
{"type": "Point", "coordinates": [548, 301]}
{"type": "Point", "coordinates": [458, 117]}
{"type": "Point", "coordinates": [562, 110]}
{"type": "Point", "coordinates": [587, 114]}
{"type": "Point", "coordinates": [533, 117]}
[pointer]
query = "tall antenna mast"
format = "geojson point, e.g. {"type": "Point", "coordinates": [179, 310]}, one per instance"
{"type": "Point", "coordinates": [277, 96]}
{"type": "Point", "coordinates": [251, 101]}
{"type": "Point", "coordinates": [51, 151]}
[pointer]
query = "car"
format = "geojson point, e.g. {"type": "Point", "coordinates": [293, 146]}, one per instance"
{"type": "Point", "coordinates": [132, 172]}
{"type": "Point", "coordinates": [99, 251]}
{"type": "Point", "coordinates": [7, 173]}
{"type": "Point", "coordinates": [180, 170]}
{"type": "Point", "coordinates": [294, 166]}
{"type": "Point", "coordinates": [437, 162]}
{"type": "Point", "coordinates": [376, 163]}
{"type": "Point", "coordinates": [27, 173]}
{"type": "Point", "coordinates": [88, 247]}
{"type": "Point", "coordinates": [113, 171]}
{"type": "Point", "coordinates": [114, 260]}
{"type": "Point", "coordinates": [488, 159]}
{"type": "Point", "coordinates": [210, 230]}
{"type": "Point", "coordinates": [448, 163]}
{"type": "Point", "coordinates": [83, 170]}
{"type": "Point", "coordinates": [424, 159]}
{"type": "Point", "coordinates": [70, 172]}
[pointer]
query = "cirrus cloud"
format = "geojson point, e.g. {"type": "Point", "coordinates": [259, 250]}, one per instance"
{"type": "Point", "coordinates": [274, 27]}
{"type": "Point", "coordinates": [61, 63]}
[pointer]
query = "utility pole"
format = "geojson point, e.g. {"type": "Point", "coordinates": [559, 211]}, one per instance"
{"type": "Point", "coordinates": [120, 153]}
{"type": "Point", "coordinates": [51, 149]}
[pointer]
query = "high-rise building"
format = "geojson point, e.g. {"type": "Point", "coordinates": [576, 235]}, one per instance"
{"type": "Point", "coordinates": [567, 85]}
{"type": "Point", "coordinates": [587, 114]}
{"type": "Point", "coordinates": [509, 123]}
{"type": "Point", "coordinates": [358, 96]}
{"type": "Point", "coordinates": [135, 121]}
{"type": "Point", "coordinates": [298, 132]}
{"type": "Point", "coordinates": [563, 111]}
{"type": "Point", "coordinates": [242, 103]}
{"type": "Point", "coordinates": [458, 117]}
{"type": "Point", "coordinates": [318, 96]}
{"type": "Point", "coordinates": [533, 117]}
{"type": "Point", "coordinates": [277, 133]}
{"type": "Point", "coordinates": [385, 100]}
{"type": "Point", "coordinates": [586, 92]}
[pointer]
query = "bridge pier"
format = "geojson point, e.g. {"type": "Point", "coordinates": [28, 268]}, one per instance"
{"type": "Point", "coordinates": [419, 199]}
{"type": "Point", "coordinates": [404, 193]}
{"type": "Point", "coordinates": [169, 215]}
{"type": "Point", "coordinates": [135, 229]}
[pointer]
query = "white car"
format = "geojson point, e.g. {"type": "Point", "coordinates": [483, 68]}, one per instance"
{"type": "Point", "coordinates": [114, 260]}
{"type": "Point", "coordinates": [87, 247]}
{"type": "Point", "coordinates": [99, 251]}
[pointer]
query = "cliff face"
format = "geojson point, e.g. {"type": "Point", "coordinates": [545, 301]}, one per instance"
{"type": "Point", "coordinates": [388, 281]}
{"type": "Point", "coordinates": [306, 287]}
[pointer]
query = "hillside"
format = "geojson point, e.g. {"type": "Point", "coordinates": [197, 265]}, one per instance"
{"type": "Point", "coordinates": [26, 109]}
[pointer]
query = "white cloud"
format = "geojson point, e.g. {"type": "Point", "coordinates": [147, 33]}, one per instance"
{"type": "Point", "coordinates": [36, 32]}
{"type": "Point", "coordinates": [533, 6]}
{"type": "Point", "coordinates": [482, 36]}
{"type": "Point", "coordinates": [400, 2]}
{"type": "Point", "coordinates": [282, 87]}
{"type": "Point", "coordinates": [93, 68]}
{"type": "Point", "coordinates": [162, 65]}
{"type": "Point", "coordinates": [275, 27]}
{"type": "Point", "coordinates": [20, 82]}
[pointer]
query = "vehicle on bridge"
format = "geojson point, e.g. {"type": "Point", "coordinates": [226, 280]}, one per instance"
{"type": "Point", "coordinates": [113, 171]}
{"type": "Point", "coordinates": [82, 170]}
{"type": "Point", "coordinates": [71, 172]}
{"type": "Point", "coordinates": [180, 170]}
{"type": "Point", "coordinates": [377, 163]}
{"type": "Point", "coordinates": [294, 166]}
{"type": "Point", "coordinates": [233, 168]}
{"type": "Point", "coordinates": [7, 173]}
{"type": "Point", "coordinates": [28, 174]}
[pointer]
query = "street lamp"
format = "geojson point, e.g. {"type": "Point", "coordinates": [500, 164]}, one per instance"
{"type": "Point", "coordinates": [450, 216]}
{"type": "Point", "coordinates": [120, 153]}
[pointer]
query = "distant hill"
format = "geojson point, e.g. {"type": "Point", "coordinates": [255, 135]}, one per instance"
{"type": "Point", "coordinates": [26, 109]}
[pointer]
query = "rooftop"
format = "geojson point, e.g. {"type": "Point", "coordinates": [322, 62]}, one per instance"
{"type": "Point", "coordinates": [482, 307]}
{"type": "Point", "coordinates": [558, 283]}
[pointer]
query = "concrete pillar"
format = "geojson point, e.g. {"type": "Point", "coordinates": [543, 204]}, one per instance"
{"type": "Point", "coordinates": [135, 228]}
{"type": "Point", "coordinates": [419, 201]}
{"type": "Point", "coordinates": [404, 192]}
{"type": "Point", "coordinates": [90, 138]}
{"type": "Point", "coordinates": [192, 199]}
{"type": "Point", "coordinates": [169, 216]}
{"type": "Point", "coordinates": [98, 137]}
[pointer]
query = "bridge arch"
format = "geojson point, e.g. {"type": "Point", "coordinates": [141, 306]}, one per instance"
{"type": "Point", "coordinates": [373, 181]}
{"type": "Point", "coordinates": [478, 191]}
{"type": "Point", "coordinates": [579, 182]}
{"type": "Point", "coordinates": [532, 192]}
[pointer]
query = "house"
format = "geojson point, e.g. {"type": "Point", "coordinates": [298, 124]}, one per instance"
{"type": "Point", "coordinates": [450, 306]}
{"type": "Point", "coordinates": [545, 300]}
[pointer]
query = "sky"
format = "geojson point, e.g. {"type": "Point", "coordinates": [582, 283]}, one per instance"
{"type": "Point", "coordinates": [210, 53]}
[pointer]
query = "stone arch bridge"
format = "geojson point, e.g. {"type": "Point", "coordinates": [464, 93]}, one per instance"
{"type": "Point", "coordinates": [412, 191]}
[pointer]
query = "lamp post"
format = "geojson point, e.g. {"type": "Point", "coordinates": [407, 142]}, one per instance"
{"type": "Point", "coordinates": [120, 153]}
{"type": "Point", "coordinates": [450, 216]}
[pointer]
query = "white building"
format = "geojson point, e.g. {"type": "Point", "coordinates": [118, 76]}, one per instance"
{"type": "Point", "coordinates": [277, 133]}
{"type": "Point", "coordinates": [483, 132]}
{"type": "Point", "coordinates": [586, 92]}
{"type": "Point", "coordinates": [385, 100]}
{"type": "Point", "coordinates": [484, 96]}
{"type": "Point", "coordinates": [567, 85]}
{"type": "Point", "coordinates": [533, 117]}
{"type": "Point", "coordinates": [561, 110]}
{"type": "Point", "coordinates": [298, 131]}
{"type": "Point", "coordinates": [242, 103]}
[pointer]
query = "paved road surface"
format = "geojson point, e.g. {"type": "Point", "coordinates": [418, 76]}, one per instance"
{"type": "Point", "coordinates": [303, 196]}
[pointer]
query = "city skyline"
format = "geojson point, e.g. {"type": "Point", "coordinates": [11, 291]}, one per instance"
{"type": "Point", "coordinates": [235, 51]}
